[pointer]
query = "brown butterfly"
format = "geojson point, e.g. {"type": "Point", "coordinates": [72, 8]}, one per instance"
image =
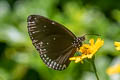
{"type": "Point", "coordinates": [55, 43]}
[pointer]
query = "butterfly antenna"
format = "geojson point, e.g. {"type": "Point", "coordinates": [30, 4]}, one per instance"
{"type": "Point", "coordinates": [93, 34]}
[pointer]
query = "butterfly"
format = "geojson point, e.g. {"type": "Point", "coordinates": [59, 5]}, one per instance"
{"type": "Point", "coordinates": [55, 43]}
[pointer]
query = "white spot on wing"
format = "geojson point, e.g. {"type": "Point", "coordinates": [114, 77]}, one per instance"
{"type": "Point", "coordinates": [35, 18]}
{"type": "Point", "coordinates": [33, 27]}
{"type": "Point", "coordinates": [64, 66]}
{"type": "Point", "coordinates": [54, 38]}
{"type": "Point", "coordinates": [33, 32]}
{"type": "Point", "coordinates": [41, 42]}
{"type": "Point", "coordinates": [56, 67]}
{"type": "Point", "coordinates": [31, 37]}
{"type": "Point", "coordinates": [47, 43]}
{"type": "Point", "coordinates": [44, 55]}
{"type": "Point", "coordinates": [41, 55]}
{"type": "Point", "coordinates": [48, 63]}
{"type": "Point", "coordinates": [30, 33]}
{"type": "Point", "coordinates": [57, 64]}
{"type": "Point", "coordinates": [53, 22]}
{"type": "Point", "coordinates": [54, 63]}
{"type": "Point", "coordinates": [45, 61]}
{"type": "Point", "coordinates": [31, 22]}
{"type": "Point", "coordinates": [44, 26]}
{"type": "Point", "coordinates": [34, 41]}
{"type": "Point", "coordinates": [43, 58]}
{"type": "Point", "coordinates": [37, 47]}
{"type": "Point", "coordinates": [53, 66]}
{"type": "Point", "coordinates": [47, 58]}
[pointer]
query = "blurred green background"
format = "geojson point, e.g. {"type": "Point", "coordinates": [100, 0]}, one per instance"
{"type": "Point", "coordinates": [19, 60]}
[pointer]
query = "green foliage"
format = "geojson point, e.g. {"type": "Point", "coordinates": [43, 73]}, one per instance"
{"type": "Point", "coordinates": [20, 61]}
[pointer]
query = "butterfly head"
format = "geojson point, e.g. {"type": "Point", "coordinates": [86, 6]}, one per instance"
{"type": "Point", "coordinates": [79, 40]}
{"type": "Point", "coordinates": [82, 38]}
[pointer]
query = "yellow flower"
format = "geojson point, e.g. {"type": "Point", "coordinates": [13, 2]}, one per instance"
{"type": "Point", "coordinates": [88, 50]}
{"type": "Point", "coordinates": [117, 44]}
{"type": "Point", "coordinates": [113, 70]}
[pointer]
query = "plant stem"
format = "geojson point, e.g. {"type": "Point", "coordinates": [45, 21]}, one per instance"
{"type": "Point", "coordinates": [94, 67]}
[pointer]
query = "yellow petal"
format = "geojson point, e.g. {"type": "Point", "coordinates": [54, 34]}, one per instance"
{"type": "Point", "coordinates": [72, 58]}
{"type": "Point", "coordinates": [88, 50]}
{"type": "Point", "coordinates": [77, 60]}
{"type": "Point", "coordinates": [91, 42]}
{"type": "Point", "coordinates": [113, 70]}
{"type": "Point", "coordinates": [99, 42]}
{"type": "Point", "coordinates": [118, 48]}
{"type": "Point", "coordinates": [117, 43]}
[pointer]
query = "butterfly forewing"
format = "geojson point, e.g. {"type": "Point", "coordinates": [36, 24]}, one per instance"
{"type": "Point", "coordinates": [52, 40]}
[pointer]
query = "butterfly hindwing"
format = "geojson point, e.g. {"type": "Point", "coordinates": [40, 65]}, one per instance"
{"type": "Point", "coordinates": [52, 40]}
